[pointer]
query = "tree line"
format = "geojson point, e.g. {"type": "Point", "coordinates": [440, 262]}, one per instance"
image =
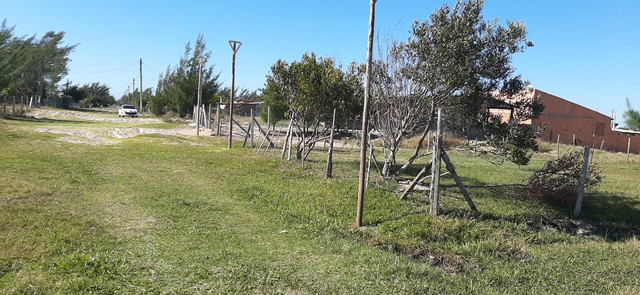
{"type": "Point", "coordinates": [34, 67]}
{"type": "Point", "coordinates": [29, 65]}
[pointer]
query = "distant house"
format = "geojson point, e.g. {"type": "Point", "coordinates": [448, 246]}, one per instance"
{"type": "Point", "coordinates": [572, 123]}
{"type": "Point", "coordinates": [244, 107]}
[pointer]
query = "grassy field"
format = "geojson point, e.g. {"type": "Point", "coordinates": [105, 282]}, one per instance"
{"type": "Point", "coordinates": [169, 213]}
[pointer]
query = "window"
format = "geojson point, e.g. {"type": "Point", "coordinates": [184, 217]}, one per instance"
{"type": "Point", "coordinates": [600, 129]}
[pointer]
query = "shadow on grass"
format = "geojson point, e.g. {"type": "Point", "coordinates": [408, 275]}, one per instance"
{"type": "Point", "coordinates": [614, 218]}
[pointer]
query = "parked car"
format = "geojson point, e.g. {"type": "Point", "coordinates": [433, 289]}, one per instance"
{"type": "Point", "coordinates": [127, 110]}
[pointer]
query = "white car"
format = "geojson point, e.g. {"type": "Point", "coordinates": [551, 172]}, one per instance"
{"type": "Point", "coordinates": [127, 110]}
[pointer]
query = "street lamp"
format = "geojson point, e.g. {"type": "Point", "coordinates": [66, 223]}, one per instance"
{"type": "Point", "coordinates": [235, 45]}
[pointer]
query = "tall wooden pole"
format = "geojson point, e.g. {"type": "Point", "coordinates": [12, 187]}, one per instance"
{"type": "Point", "coordinates": [199, 97]}
{"type": "Point", "coordinates": [140, 110]}
{"type": "Point", "coordinates": [365, 115]}
{"type": "Point", "coordinates": [235, 45]}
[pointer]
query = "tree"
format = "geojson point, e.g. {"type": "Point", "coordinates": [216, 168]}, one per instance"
{"type": "Point", "coordinates": [397, 108]}
{"type": "Point", "coordinates": [177, 89]}
{"type": "Point", "coordinates": [76, 93]}
{"type": "Point", "coordinates": [454, 60]}
{"type": "Point", "coordinates": [631, 117]}
{"type": "Point", "coordinates": [311, 89]}
{"type": "Point", "coordinates": [96, 95]}
{"type": "Point", "coordinates": [30, 66]}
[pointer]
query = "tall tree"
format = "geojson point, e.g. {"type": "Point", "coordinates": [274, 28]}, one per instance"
{"type": "Point", "coordinates": [177, 89]}
{"type": "Point", "coordinates": [311, 88]}
{"type": "Point", "coordinates": [631, 117]}
{"type": "Point", "coordinates": [454, 60]}
{"type": "Point", "coordinates": [31, 66]}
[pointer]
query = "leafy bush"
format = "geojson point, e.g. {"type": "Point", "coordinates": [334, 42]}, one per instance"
{"type": "Point", "coordinates": [559, 179]}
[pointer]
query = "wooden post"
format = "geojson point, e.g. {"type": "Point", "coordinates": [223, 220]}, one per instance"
{"type": "Point", "coordinates": [416, 179]}
{"type": "Point", "coordinates": [209, 121]}
{"type": "Point", "coordinates": [365, 114]}
{"type": "Point", "coordinates": [463, 190]}
{"type": "Point", "coordinates": [583, 176]}
{"type": "Point", "coordinates": [628, 148]}
{"type": "Point", "coordinates": [271, 142]}
{"type": "Point", "coordinates": [235, 46]}
{"type": "Point", "coordinates": [573, 142]}
{"type": "Point", "coordinates": [251, 128]}
{"type": "Point", "coordinates": [434, 192]}
{"type": "Point", "coordinates": [268, 123]}
{"type": "Point", "coordinates": [330, 152]}
{"type": "Point", "coordinates": [218, 119]}
{"type": "Point", "coordinates": [558, 146]}
{"type": "Point", "coordinates": [141, 83]}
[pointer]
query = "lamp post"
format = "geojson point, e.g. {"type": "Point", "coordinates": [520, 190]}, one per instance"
{"type": "Point", "coordinates": [235, 45]}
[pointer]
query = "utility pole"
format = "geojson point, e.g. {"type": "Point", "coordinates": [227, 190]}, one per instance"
{"type": "Point", "coordinates": [133, 92]}
{"type": "Point", "coordinates": [235, 46]}
{"type": "Point", "coordinates": [365, 116]}
{"type": "Point", "coordinates": [140, 110]}
{"type": "Point", "coordinates": [199, 97]}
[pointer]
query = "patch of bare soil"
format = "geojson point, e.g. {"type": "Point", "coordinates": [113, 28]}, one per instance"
{"type": "Point", "coordinates": [69, 114]}
{"type": "Point", "coordinates": [103, 136]}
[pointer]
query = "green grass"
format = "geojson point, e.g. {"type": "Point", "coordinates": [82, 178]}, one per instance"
{"type": "Point", "coordinates": [175, 214]}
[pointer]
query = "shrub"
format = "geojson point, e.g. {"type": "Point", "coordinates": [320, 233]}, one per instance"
{"type": "Point", "coordinates": [559, 179]}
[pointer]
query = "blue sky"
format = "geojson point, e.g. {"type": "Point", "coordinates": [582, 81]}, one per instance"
{"type": "Point", "coordinates": [585, 51]}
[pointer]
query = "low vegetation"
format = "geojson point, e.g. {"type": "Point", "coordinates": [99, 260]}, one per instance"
{"type": "Point", "coordinates": [167, 213]}
{"type": "Point", "coordinates": [559, 179]}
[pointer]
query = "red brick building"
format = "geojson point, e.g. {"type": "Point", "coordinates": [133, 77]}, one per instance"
{"type": "Point", "coordinates": [573, 123]}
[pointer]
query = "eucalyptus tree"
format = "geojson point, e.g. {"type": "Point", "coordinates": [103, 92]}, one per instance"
{"type": "Point", "coordinates": [177, 89]}
{"type": "Point", "coordinates": [454, 60]}
{"type": "Point", "coordinates": [311, 89]}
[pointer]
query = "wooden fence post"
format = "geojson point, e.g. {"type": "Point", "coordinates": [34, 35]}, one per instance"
{"type": "Point", "coordinates": [218, 120]}
{"type": "Point", "coordinates": [628, 148]}
{"type": "Point", "coordinates": [251, 129]}
{"type": "Point", "coordinates": [583, 177]}
{"type": "Point", "coordinates": [434, 192]}
{"type": "Point", "coordinates": [558, 146]}
{"type": "Point", "coordinates": [463, 190]}
{"type": "Point", "coordinates": [330, 152]}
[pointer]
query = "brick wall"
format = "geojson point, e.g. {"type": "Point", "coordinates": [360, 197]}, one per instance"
{"type": "Point", "coordinates": [589, 128]}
